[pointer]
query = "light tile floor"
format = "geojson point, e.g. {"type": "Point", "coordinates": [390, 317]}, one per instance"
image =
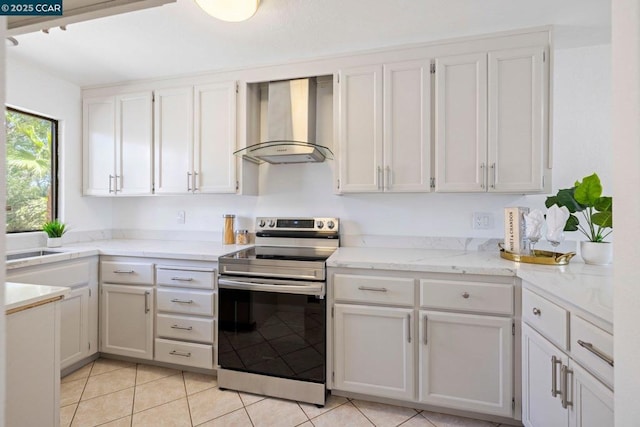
{"type": "Point", "coordinates": [116, 393]}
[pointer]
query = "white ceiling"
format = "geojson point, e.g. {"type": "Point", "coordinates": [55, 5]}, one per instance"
{"type": "Point", "coordinates": [178, 38]}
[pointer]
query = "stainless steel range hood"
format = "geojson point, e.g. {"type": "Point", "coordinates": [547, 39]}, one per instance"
{"type": "Point", "coordinates": [291, 126]}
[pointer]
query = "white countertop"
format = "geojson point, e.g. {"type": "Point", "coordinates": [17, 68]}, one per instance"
{"type": "Point", "coordinates": [18, 295]}
{"type": "Point", "coordinates": [581, 288]}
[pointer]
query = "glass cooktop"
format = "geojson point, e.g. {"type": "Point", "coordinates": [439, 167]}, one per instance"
{"type": "Point", "coordinates": [282, 253]}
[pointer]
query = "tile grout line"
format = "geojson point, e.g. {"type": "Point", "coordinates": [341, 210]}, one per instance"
{"type": "Point", "coordinates": [363, 414]}
{"type": "Point", "coordinates": [80, 398]}
{"type": "Point", "coordinates": [186, 396]}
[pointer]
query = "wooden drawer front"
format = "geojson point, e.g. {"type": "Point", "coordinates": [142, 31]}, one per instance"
{"type": "Point", "coordinates": [596, 350]}
{"type": "Point", "coordinates": [185, 328]}
{"type": "Point", "coordinates": [182, 353]}
{"type": "Point", "coordinates": [185, 278]}
{"type": "Point", "coordinates": [373, 289]}
{"type": "Point", "coordinates": [185, 301]}
{"type": "Point", "coordinates": [126, 272]}
{"type": "Point", "coordinates": [549, 319]}
{"type": "Point", "coordinates": [468, 296]}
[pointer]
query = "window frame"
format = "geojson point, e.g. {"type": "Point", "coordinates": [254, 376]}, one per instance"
{"type": "Point", "coordinates": [55, 128]}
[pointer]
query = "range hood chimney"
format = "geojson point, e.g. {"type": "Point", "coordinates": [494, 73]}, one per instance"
{"type": "Point", "coordinates": [291, 126]}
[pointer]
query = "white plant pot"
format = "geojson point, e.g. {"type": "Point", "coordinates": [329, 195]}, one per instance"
{"type": "Point", "coordinates": [596, 253]}
{"type": "Point", "coordinates": [54, 242]}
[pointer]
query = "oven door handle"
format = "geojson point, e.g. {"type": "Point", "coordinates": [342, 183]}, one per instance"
{"type": "Point", "coordinates": [227, 270]}
{"type": "Point", "coordinates": [316, 289]}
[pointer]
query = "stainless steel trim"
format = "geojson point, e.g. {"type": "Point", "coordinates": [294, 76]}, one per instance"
{"type": "Point", "coordinates": [182, 279]}
{"type": "Point", "coordinates": [426, 331]}
{"type": "Point", "coordinates": [564, 386]}
{"type": "Point", "coordinates": [554, 378]}
{"type": "Point", "coordinates": [288, 287]}
{"type": "Point", "coordinates": [180, 353]}
{"type": "Point", "coordinates": [409, 328]}
{"type": "Point", "coordinates": [589, 347]}
{"type": "Point", "coordinates": [302, 391]}
{"type": "Point", "coordinates": [275, 271]}
{"type": "Point", "coordinates": [368, 288]}
{"type": "Point", "coordinates": [182, 301]}
{"type": "Point", "coordinates": [124, 271]}
{"type": "Point", "coordinates": [537, 311]}
{"type": "Point", "coordinates": [465, 295]}
{"type": "Point", "coordinates": [188, 181]}
{"type": "Point", "coordinates": [146, 301]}
{"type": "Point", "coordinates": [188, 328]}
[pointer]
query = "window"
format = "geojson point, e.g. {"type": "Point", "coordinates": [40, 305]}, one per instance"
{"type": "Point", "coordinates": [31, 170]}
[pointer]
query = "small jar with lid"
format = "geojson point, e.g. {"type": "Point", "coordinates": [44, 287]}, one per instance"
{"type": "Point", "coordinates": [227, 233]}
{"type": "Point", "coordinates": [242, 237]}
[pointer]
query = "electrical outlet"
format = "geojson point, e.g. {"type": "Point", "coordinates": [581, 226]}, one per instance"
{"type": "Point", "coordinates": [482, 221]}
{"type": "Point", "coordinates": [181, 217]}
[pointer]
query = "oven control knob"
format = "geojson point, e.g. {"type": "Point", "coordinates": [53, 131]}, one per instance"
{"type": "Point", "coordinates": [272, 223]}
{"type": "Point", "coordinates": [261, 223]}
{"type": "Point", "coordinates": [319, 224]}
{"type": "Point", "coordinates": [331, 224]}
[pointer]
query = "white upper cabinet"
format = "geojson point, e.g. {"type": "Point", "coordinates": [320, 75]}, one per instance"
{"type": "Point", "coordinates": [195, 136]}
{"type": "Point", "coordinates": [384, 128]}
{"type": "Point", "coordinates": [215, 138]}
{"type": "Point", "coordinates": [360, 129]}
{"type": "Point", "coordinates": [117, 144]}
{"type": "Point", "coordinates": [491, 121]}
{"type": "Point", "coordinates": [461, 123]}
{"type": "Point", "coordinates": [173, 140]}
{"type": "Point", "coordinates": [518, 82]}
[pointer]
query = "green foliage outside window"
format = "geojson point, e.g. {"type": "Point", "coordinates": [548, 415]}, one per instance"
{"type": "Point", "coordinates": [30, 186]}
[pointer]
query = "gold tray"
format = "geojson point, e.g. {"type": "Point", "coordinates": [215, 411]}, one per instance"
{"type": "Point", "coordinates": [541, 257]}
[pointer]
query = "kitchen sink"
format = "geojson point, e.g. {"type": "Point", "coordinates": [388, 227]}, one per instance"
{"type": "Point", "coordinates": [30, 254]}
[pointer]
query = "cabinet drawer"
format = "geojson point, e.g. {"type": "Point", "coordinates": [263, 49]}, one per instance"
{"type": "Point", "coordinates": [185, 278]}
{"type": "Point", "coordinates": [182, 353]}
{"type": "Point", "coordinates": [185, 301]}
{"type": "Point", "coordinates": [468, 296]}
{"type": "Point", "coordinates": [383, 290]}
{"type": "Point", "coordinates": [185, 328]}
{"type": "Point", "coordinates": [126, 272]}
{"type": "Point", "coordinates": [549, 319]}
{"type": "Point", "coordinates": [592, 347]}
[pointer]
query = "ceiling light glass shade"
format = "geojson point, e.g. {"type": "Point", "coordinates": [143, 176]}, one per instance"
{"type": "Point", "coordinates": [229, 10]}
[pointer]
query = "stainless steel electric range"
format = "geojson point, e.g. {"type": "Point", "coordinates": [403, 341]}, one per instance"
{"type": "Point", "coordinates": [272, 310]}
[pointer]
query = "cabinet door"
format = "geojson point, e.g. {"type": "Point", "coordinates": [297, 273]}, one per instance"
{"type": "Point", "coordinates": [373, 350]}
{"type": "Point", "coordinates": [360, 129]}
{"type": "Point", "coordinates": [99, 133]}
{"type": "Point", "coordinates": [592, 400]}
{"type": "Point", "coordinates": [74, 327]}
{"type": "Point", "coordinates": [127, 321]}
{"type": "Point", "coordinates": [134, 142]}
{"type": "Point", "coordinates": [407, 126]}
{"type": "Point", "coordinates": [173, 140]}
{"type": "Point", "coordinates": [539, 407]}
{"type": "Point", "coordinates": [518, 87]}
{"type": "Point", "coordinates": [461, 123]}
{"type": "Point", "coordinates": [215, 138]}
{"type": "Point", "coordinates": [466, 362]}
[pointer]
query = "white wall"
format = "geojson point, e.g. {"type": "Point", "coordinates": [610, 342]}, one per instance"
{"type": "Point", "coordinates": [33, 90]}
{"type": "Point", "coordinates": [581, 131]}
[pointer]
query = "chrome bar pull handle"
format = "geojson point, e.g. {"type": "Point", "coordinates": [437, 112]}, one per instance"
{"type": "Point", "coordinates": [195, 181]}
{"type": "Point", "coordinates": [554, 378]}
{"type": "Point", "coordinates": [182, 279]}
{"type": "Point", "coordinates": [188, 181]}
{"type": "Point", "coordinates": [564, 386]}
{"type": "Point", "coordinates": [189, 328]}
{"type": "Point", "coordinates": [409, 328]}
{"type": "Point", "coordinates": [146, 301]}
{"type": "Point", "coordinates": [493, 175]}
{"type": "Point", "coordinates": [116, 179]}
{"type": "Point", "coordinates": [368, 288]}
{"type": "Point", "coordinates": [588, 346]}
{"type": "Point", "coordinates": [110, 186]}
{"type": "Point", "coordinates": [483, 176]}
{"type": "Point", "coordinates": [182, 301]}
{"type": "Point", "coordinates": [426, 331]}
{"type": "Point", "coordinates": [179, 353]}
{"type": "Point", "coordinates": [123, 271]}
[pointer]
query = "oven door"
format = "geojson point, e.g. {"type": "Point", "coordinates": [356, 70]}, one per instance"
{"type": "Point", "coordinates": [263, 331]}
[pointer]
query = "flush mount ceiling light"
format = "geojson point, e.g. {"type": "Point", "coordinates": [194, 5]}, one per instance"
{"type": "Point", "coordinates": [230, 10]}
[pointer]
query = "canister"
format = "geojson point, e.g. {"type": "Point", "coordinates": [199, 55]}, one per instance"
{"type": "Point", "coordinates": [242, 237]}
{"type": "Point", "coordinates": [227, 234]}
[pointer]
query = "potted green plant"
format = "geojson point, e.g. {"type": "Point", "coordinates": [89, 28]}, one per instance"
{"type": "Point", "coordinates": [585, 200]}
{"type": "Point", "coordinates": [54, 229]}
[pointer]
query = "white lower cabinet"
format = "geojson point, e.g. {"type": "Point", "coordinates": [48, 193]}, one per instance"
{"type": "Point", "coordinates": [127, 320]}
{"type": "Point", "coordinates": [466, 362]}
{"type": "Point", "coordinates": [74, 326]}
{"type": "Point", "coordinates": [374, 350]}
{"type": "Point", "coordinates": [557, 391]}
